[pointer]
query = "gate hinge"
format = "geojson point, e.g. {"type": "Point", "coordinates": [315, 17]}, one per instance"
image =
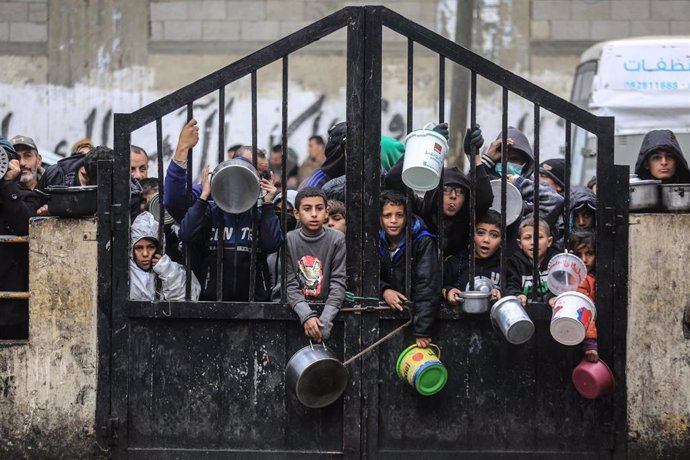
{"type": "Point", "coordinates": [612, 219]}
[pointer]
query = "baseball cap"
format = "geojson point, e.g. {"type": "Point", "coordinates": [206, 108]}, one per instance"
{"type": "Point", "coordinates": [24, 140]}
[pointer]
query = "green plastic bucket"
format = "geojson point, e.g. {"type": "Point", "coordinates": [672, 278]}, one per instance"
{"type": "Point", "coordinates": [422, 368]}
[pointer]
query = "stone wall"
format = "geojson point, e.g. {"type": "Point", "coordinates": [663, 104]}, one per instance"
{"type": "Point", "coordinates": [48, 383]}
{"type": "Point", "coordinates": [658, 367]}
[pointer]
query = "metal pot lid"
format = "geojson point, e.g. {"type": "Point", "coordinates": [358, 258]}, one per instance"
{"type": "Point", "coordinates": [4, 162]}
{"type": "Point", "coordinates": [514, 201]}
{"type": "Point", "coordinates": [481, 283]}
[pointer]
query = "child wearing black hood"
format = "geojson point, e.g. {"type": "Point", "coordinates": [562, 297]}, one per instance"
{"type": "Point", "coordinates": [662, 158]}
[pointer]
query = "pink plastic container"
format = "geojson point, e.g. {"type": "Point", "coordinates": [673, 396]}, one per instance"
{"type": "Point", "coordinates": [593, 380]}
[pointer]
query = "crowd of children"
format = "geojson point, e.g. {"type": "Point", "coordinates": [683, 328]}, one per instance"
{"type": "Point", "coordinates": [314, 221]}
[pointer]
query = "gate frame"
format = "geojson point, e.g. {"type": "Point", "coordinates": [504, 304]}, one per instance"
{"type": "Point", "coordinates": [363, 109]}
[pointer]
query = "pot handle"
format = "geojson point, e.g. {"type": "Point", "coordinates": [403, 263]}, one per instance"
{"type": "Point", "coordinates": [438, 349]}
{"type": "Point", "coordinates": [381, 340]}
{"type": "Point", "coordinates": [430, 124]}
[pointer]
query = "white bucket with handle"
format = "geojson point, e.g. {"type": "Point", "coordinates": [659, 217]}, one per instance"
{"type": "Point", "coordinates": [572, 313]}
{"type": "Point", "coordinates": [425, 151]}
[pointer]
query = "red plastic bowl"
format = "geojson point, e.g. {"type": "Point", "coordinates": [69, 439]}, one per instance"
{"type": "Point", "coordinates": [593, 380]}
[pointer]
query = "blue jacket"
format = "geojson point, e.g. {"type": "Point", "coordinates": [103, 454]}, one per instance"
{"type": "Point", "coordinates": [425, 281]}
{"type": "Point", "coordinates": [199, 227]}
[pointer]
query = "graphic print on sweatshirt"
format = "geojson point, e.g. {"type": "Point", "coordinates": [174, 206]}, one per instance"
{"type": "Point", "coordinates": [527, 283]}
{"type": "Point", "coordinates": [310, 275]}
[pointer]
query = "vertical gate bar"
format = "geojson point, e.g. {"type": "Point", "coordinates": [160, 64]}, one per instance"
{"type": "Point", "coordinates": [220, 241]}
{"type": "Point", "coordinates": [606, 243]}
{"type": "Point", "coordinates": [371, 326]}
{"type": "Point", "coordinates": [190, 202]}
{"type": "Point", "coordinates": [159, 162]}
{"type": "Point", "coordinates": [440, 217]}
{"type": "Point", "coordinates": [353, 432]}
{"type": "Point", "coordinates": [620, 312]}
{"type": "Point", "coordinates": [283, 183]}
{"type": "Point", "coordinates": [409, 194]}
{"type": "Point", "coordinates": [254, 213]}
{"type": "Point", "coordinates": [566, 188]}
{"type": "Point", "coordinates": [536, 278]}
{"type": "Point", "coordinates": [355, 147]}
{"type": "Point", "coordinates": [473, 178]}
{"type": "Point", "coordinates": [120, 257]}
{"type": "Point", "coordinates": [504, 142]}
{"type": "Point", "coordinates": [105, 293]}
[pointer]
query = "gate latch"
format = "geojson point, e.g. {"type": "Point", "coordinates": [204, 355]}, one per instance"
{"type": "Point", "coordinates": [612, 219]}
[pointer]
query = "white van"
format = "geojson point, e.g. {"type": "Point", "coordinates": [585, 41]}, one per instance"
{"type": "Point", "coordinates": [643, 82]}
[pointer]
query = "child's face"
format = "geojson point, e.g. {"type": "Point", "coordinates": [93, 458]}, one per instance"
{"type": "Point", "coordinates": [312, 213]}
{"type": "Point", "coordinates": [337, 222]}
{"type": "Point", "coordinates": [583, 219]}
{"type": "Point", "coordinates": [526, 241]}
{"type": "Point", "coordinates": [144, 250]}
{"type": "Point", "coordinates": [393, 220]}
{"type": "Point", "coordinates": [588, 256]}
{"type": "Point", "coordinates": [487, 240]}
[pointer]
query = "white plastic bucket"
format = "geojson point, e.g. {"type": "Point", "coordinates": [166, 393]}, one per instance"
{"type": "Point", "coordinates": [425, 151]}
{"type": "Point", "coordinates": [572, 313]}
{"type": "Point", "coordinates": [566, 272]}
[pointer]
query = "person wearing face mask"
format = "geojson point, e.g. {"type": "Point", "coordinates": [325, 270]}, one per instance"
{"type": "Point", "coordinates": [519, 172]}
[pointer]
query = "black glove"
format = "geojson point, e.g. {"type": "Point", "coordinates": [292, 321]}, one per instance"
{"type": "Point", "coordinates": [442, 129]}
{"type": "Point", "coordinates": [473, 141]}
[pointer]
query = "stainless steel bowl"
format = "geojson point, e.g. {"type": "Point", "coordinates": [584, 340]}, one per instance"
{"type": "Point", "coordinates": [675, 197]}
{"type": "Point", "coordinates": [316, 375]}
{"type": "Point", "coordinates": [644, 194]}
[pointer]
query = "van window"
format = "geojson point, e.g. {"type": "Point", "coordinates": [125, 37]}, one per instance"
{"type": "Point", "coordinates": [582, 86]}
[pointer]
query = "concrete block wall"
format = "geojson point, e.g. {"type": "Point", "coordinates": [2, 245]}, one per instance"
{"type": "Point", "coordinates": [23, 24]}
{"type": "Point", "coordinates": [48, 383]}
{"type": "Point", "coordinates": [596, 20]}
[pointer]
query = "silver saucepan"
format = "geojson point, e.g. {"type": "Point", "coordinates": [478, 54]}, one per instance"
{"type": "Point", "coordinates": [644, 194]}
{"type": "Point", "coordinates": [675, 197]}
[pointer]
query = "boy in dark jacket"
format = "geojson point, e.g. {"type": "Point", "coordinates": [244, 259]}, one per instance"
{"type": "Point", "coordinates": [205, 222]}
{"type": "Point", "coordinates": [425, 276]}
{"type": "Point", "coordinates": [662, 158]}
{"type": "Point", "coordinates": [487, 259]}
{"type": "Point", "coordinates": [315, 265]}
{"type": "Point", "coordinates": [519, 270]}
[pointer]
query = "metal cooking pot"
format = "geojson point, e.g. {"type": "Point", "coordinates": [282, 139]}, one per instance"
{"type": "Point", "coordinates": [72, 201]}
{"type": "Point", "coordinates": [474, 302]}
{"type": "Point", "coordinates": [235, 186]}
{"type": "Point", "coordinates": [675, 197]}
{"type": "Point", "coordinates": [514, 202]}
{"type": "Point", "coordinates": [316, 375]}
{"type": "Point", "coordinates": [481, 283]}
{"type": "Point", "coordinates": [512, 319]}
{"type": "Point", "coordinates": [644, 194]}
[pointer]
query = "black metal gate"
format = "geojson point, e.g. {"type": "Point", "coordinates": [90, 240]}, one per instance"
{"type": "Point", "coordinates": [192, 379]}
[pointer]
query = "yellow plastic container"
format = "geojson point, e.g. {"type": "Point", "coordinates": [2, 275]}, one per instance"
{"type": "Point", "coordinates": [422, 368]}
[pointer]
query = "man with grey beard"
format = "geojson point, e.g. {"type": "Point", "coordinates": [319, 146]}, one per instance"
{"type": "Point", "coordinates": [18, 203]}
{"type": "Point", "coordinates": [29, 161]}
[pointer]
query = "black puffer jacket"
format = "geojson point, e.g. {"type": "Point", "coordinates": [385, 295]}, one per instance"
{"type": "Point", "coordinates": [662, 139]}
{"type": "Point", "coordinates": [425, 276]}
{"type": "Point", "coordinates": [520, 278]}
{"type": "Point", "coordinates": [64, 172]}
{"type": "Point", "coordinates": [17, 205]}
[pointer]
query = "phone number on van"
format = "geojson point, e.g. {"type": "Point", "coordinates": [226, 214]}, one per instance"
{"type": "Point", "coordinates": [652, 85]}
